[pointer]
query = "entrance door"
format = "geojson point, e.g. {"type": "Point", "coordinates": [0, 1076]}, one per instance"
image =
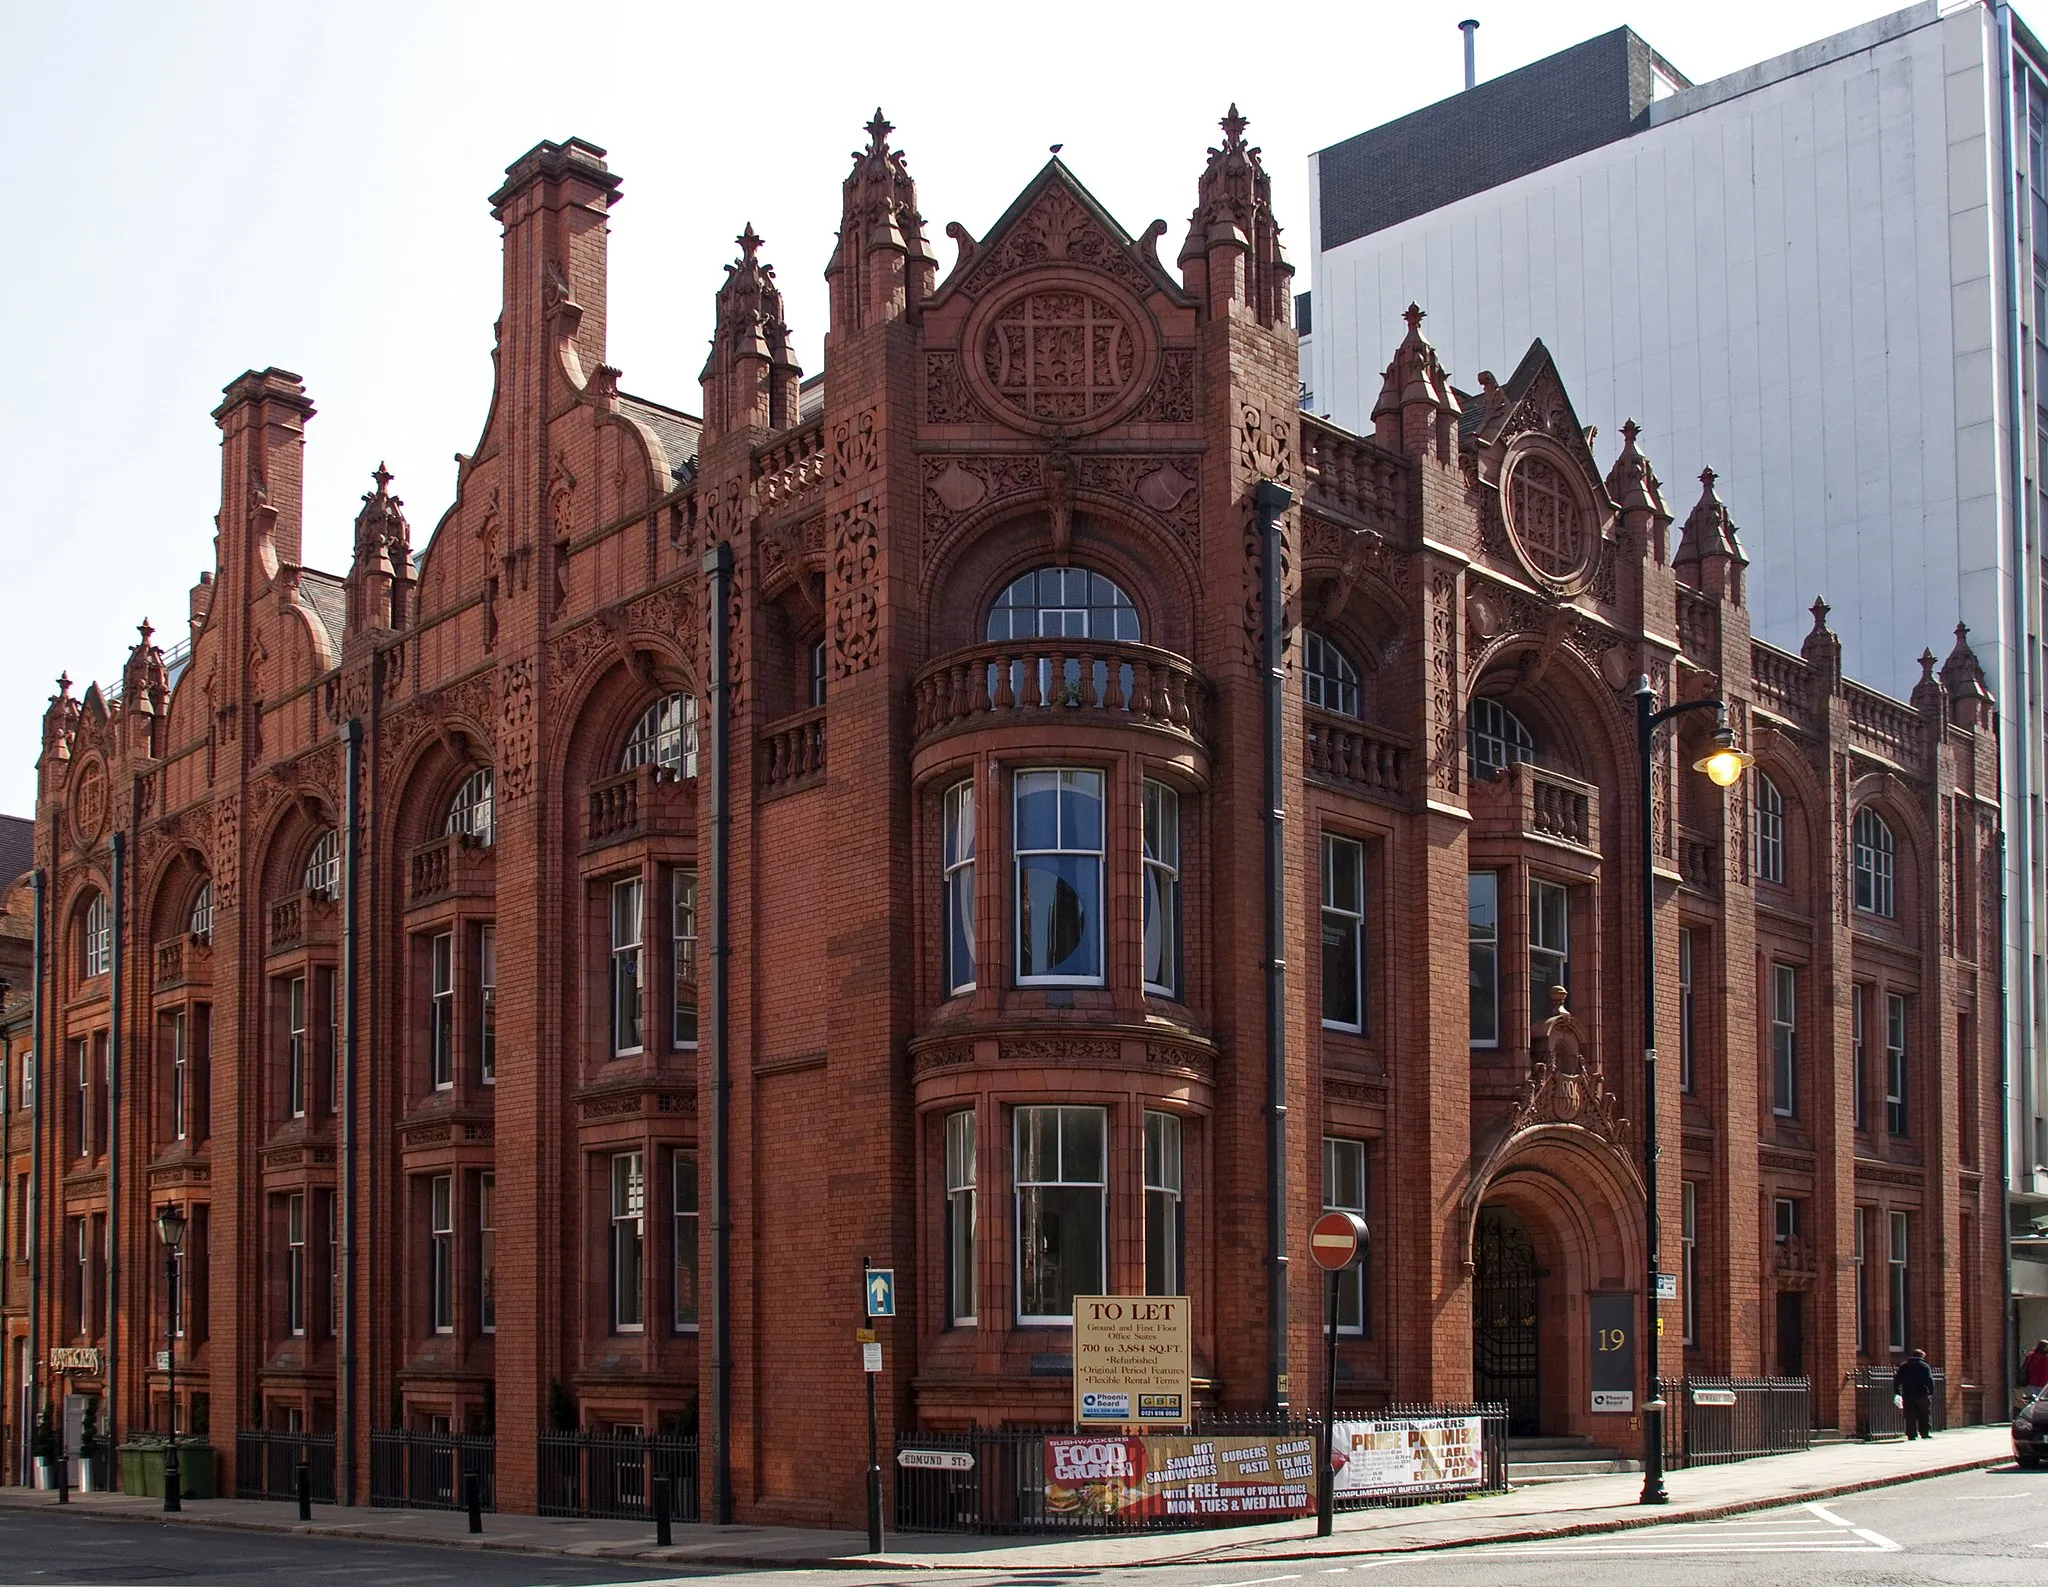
{"type": "Point", "coordinates": [1504, 1318]}
{"type": "Point", "coordinates": [1791, 1334]}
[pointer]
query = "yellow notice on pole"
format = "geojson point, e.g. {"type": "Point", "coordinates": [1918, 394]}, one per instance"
{"type": "Point", "coordinates": [1131, 1361]}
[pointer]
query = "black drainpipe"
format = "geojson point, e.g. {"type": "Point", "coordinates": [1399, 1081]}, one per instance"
{"type": "Point", "coordinates": [351, 804]}
{"type": "Point", "coordinates": [718, 574]}
{"type": "Point", "coordinates": [35, 1163]}
{"type": "Point", "coordinates": [114, 1145]}
{"type": "Point", "coordinates": [2008, 1335]}
{"type": "Point", "coordinates": [1272, 500]}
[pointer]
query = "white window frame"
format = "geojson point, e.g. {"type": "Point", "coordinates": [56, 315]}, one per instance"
{"type": "Point", "coordinates": [1346, 1189]}
{"type": "Point", "coordinates": [1898, 1298]}
{"type": "Point", "coordinates": [297, 1014]}
{"type": "Point", "coordinates": [1066, 777]}
{"type": "Point", "coordinates": [1859, 1071]}
{"type": "Point", "coordinates": [1874, 857]}
{"type": "Point", "coordinates": [1784, 1040]}
{"type": "Point", "coordinates": [963, 1247]}
{"type": "Point", "coordinates": [816, 693]}
{"type": "Point", "coordinates": [441, 1254]}
{"type": "Point", "coordinates": [1768, 807]}
{"type": "Point", "coordinates": [177, 1074]}
{"type": "Point", "coordinates": [1543, 949]}
{"type": "Point", "coordinates": [1162, 948]}
{"type": "Point", "coordinates": [295, 1264]}
{"type": "Point", "coordinates": [1165, 1208]}
{"type": "Point", "coordinates": [98, 957]}
{"type": "Point", "coordinates": [486, 1253]}
{"type": "Point", "coordinates": [473, 812]}
{"type": "Point", "coordinates": [199, 918]}
{"type": "Point", "coordinates": [1027, 1189]}
{"type": "Point", "coordinates": [666, 736]}
{"type": "Point", "coordinates": [85, 1119]}
{"type": "Point", "coordinates": [626, 898]}
{"type": "Point", "coordinates": [1688, 1010]}
{"type": "Point", "coordinates": [682, 899]}
{"type": "Point", "coordinates": [685, 1251]}
{"type": "Point", "coordinates": [1482, 948]}
{"type": "Point", "coordinates": [1862, 1281]}
{"type": "Point", "coordinates": [959, 951]}
{"type": "Point", "coordinates": [1689, 1260]}
{"type": "Point", "coordinates": [322, 875]}
{"type": "Point", "coordinates": [1495, 737]}
{"type": "Point", "coordinates": [1898, 1121]}
{"type": "Point", "coordinates": [628, 1173]}
{"type": "Point", "coordinates": [441, 1010]}
{"type": "Point", "coordinates": [1329, 681]}
{"type": "Point", "coordinates": [1785, 1220]}
{"type": "Point", "coordinates": [1342, 914]}
{"type": "Point", "coordinates": [487, 1002]}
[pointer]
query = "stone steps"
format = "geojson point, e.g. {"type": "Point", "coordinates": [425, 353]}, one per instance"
{"type": "Point", "coordinates": [1538, 1460]}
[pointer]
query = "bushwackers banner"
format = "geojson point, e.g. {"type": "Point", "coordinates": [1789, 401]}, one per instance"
{"type": "Point", "coordinates": [1200, 1478]}
{"type": "Point", "coordinates": [1435, 1454]}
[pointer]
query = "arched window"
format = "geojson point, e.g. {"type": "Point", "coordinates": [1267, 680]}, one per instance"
{"type": "Point", "coordinates": [97, 946]}
{"type": "Point", "coordinates": [1495, 737]}
{"type": "Point", "coordinates": [199, 921]}
{"type": "Point", "coordinates": [1770, 831]}
{"type": "Point", "coordinates": [666, 736]}
{"type": "Point", "coordinates": [1327, 677]}
{"type": "Point", "coordinates": [323, 866]}
{"type": "Point", "coordinates": [1063, 603]}
{"type": "Point", "coordinates": [472, 813]}
{"type": "Point", "coordinates": [1875, 856]}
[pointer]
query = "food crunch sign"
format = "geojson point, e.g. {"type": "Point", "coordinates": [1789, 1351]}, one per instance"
{"type": "Point", "coordinates": [1219, 1479]}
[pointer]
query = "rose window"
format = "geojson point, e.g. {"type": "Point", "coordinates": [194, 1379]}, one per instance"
{"type": "Point", "coordinates": [1546, 517]}
{"type": "Point", "coordinates": [1060, 356]}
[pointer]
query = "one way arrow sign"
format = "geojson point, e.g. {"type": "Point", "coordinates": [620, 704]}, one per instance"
{"type": "Point", "coordinates": [881, 1291]}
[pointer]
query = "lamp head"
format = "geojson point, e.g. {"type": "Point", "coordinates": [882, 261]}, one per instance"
{"type": "Point", "coordinates": [1724, 764]}
{"type": "Point", "coordinates": [170, 1225]}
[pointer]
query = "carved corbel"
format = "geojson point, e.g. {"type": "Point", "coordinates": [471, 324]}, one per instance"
{"type": "Point", "coordinates": [1059, 501]}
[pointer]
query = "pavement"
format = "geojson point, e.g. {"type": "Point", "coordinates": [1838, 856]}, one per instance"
{"type": "Point", "coordinates": [1565, 1509]}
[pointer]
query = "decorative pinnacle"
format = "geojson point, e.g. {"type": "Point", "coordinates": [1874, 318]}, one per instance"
{"type": "Point", "coordinates": [1414, 316]}
{"type": "Point", "coordinates": [1926, 665]}
{"type": "Point", "coordinates": [1820, 610]}
{"type": "Point", "coordinates": [145, 631]}
{"type": "Point", "coordinates": [382, 475]}
{"type": "Point", "coordinates": [1629, 431]}
{"type": "Point", "coordinates": [1233, 124]}
{"type": "Point", "coordinates": [750, 242]}
{"type": "Point", "coordinates": [878, 131]}
{"type": "Point", "coordinates": [1707, 478]}
{"type": "Point", "coordinates": [64, 683]}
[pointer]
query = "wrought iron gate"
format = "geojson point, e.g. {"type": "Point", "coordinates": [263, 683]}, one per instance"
{"type": "Point", "coordinates": [1504, 1362]}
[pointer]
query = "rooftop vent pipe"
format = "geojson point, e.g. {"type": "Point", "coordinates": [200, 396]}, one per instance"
{"type": "Point", "coordinates": [1470, 29]}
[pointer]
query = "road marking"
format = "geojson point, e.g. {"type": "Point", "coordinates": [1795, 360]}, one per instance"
{"type": "Point", "coordinates": [1818, 1531]}
{"type": "Point", "coordinates": [1256, 1581]}
{"type": "Point", "coordinates": [1827, 1515]}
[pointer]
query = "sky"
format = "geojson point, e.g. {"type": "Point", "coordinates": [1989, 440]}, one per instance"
{"type": "Point", "coordinates": [203, 188]}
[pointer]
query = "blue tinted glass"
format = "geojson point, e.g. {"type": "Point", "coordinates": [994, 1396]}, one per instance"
{"type": "Point", "coordinates": [1081, 810]}
{"type": "Point", "coordinates": [1059, 916]}
{"type": "Point", "coordinates": [1037, 810]}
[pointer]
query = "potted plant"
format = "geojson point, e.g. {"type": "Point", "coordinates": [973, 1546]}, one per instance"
{"type": "Point", "coordinates": [45, 1447]}
{"type": "Point", "coordinates": [88, 1444]}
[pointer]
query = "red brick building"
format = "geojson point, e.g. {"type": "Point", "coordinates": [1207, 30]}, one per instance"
{"type": "Point", "coordinates": [382, 922]}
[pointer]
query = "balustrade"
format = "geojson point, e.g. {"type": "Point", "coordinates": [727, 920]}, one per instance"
{"type": "Point", "coordinates": [793, 751]}
{"type": "Point", "coordinates": [1018, 677]}
{"type": "Point", "coordinates": [635, 803]}
{"type": "Point", "coordinates": [1341, 750]}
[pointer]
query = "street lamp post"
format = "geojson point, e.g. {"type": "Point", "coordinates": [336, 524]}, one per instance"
{"type": "Point", "coordinates": [170, 1228]}
{"type": "Point", "coordinates": [1723, 764]}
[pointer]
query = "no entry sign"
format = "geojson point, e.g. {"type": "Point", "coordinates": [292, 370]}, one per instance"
{"type": "Point", "coordinates": [1336, 1239]}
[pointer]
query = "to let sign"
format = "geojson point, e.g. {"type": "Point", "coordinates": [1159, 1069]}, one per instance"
{"type": "Point", "coordinates": [1131, 1361]}
{"type": "Point", "coordinates": [1614, 1352]}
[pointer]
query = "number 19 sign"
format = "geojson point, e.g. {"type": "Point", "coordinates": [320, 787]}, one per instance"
{"type": "Point", "coordinates": [1614, 1353]}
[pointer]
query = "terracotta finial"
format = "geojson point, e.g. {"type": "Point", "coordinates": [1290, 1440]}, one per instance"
{"type": "Point", "coordinates": [382, 475]}
{"type": "Point", "coordinates": [1414, 316]}
{"type": "Point", "coordinates": [878, 131]}
{"type": "Point", "coordinates": [750, 242]}
{"type": "Point", "coordinates": [1820, 610]}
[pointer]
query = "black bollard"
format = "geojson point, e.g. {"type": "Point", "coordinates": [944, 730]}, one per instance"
{"type": "Point", "coordinates": [305, 1486]}
{"type": "Point", "coordinates": [473, 1492]}
{"type": "Point", "coordinates": [63, 1479]}
{"type": "Point", "coordinates": [662, 1535]}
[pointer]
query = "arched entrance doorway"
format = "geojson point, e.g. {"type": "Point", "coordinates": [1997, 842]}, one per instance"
{"type": "Point", "coordinates": [1506, 1356]}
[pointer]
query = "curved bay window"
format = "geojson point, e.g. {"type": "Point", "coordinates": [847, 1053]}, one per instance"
{"type": "Point", "coordinates": [665, 736]}
{"type": "Point", "coordinates": [1059, 877]}
{"type": "Point", "coordinates": [472, 813]}
{"type": "Point", "coordinates": [957, 870]}
{"type": "Point", "coordinates": [1495, 738]}
{"type": "Point", "coordinates": [1328, 679]}
{"type": "Point", "coordinates": [322, 875]}
{"type": "Point", "coordinates": [1063, 603]}
{"type": "Point", "coordinates": [96, 942]}
{"type": "Point", "coordinates": [1770, 831]}
{"type": "Point", "coordinates": [1162, 890]}
{"type": "Point", "coordinates": [1062, 1221]}
{"type": "Point", "coordinates": [1875, 856]}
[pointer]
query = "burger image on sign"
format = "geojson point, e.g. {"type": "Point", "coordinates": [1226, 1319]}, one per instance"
{"type": "Point", "coordinates": [1094, 1476]}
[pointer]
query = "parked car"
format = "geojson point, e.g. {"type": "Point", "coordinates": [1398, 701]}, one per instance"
{"type": "Point", "coordinates": [2030, 1432]}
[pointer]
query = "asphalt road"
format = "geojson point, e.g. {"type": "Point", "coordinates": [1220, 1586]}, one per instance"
{"type": "Point", "coordinates": [1987, 1526]}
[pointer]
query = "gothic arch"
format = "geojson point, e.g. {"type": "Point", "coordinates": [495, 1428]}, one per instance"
{"type": "Point", "coordinates": [171, 888]}
{"type": "Point", "coordinates": [1915, 848]}
{"type": "Point", "coordinates": [1553, 684]}
{"type": "Point", "coordinates": [1780, 757]}
{"type": "Point", "coordinates": [601, 711]}
{"type": "Point", "coordinates": [283, 838]}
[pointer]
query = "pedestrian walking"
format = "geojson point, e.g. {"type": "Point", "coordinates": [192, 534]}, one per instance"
{"type": "Point", "coordinates": [1913, 1383]}
{"type": "Point", "coordinates": [2034, 1369]}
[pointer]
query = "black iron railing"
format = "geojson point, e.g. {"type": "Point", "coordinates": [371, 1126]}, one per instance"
{"type": "Point", "coordinates": [267, 1464]}
{"type": "Point", "coordinates": [1877, 1417]}
{"type": "Point", "coordinates": [1709, 1421]}
{"type": "Point", "coordinates": [431, 1471]}
{"type": "Point", "coordinates": [618, 1476]}
{"type": "Point", "coordinates": [995, 1480]}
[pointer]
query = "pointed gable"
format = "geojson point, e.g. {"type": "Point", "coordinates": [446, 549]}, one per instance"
{"type": "Point", "coordinates": [1533, 401]}
{"type": "Point", "coordinates": [1056, 221]}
